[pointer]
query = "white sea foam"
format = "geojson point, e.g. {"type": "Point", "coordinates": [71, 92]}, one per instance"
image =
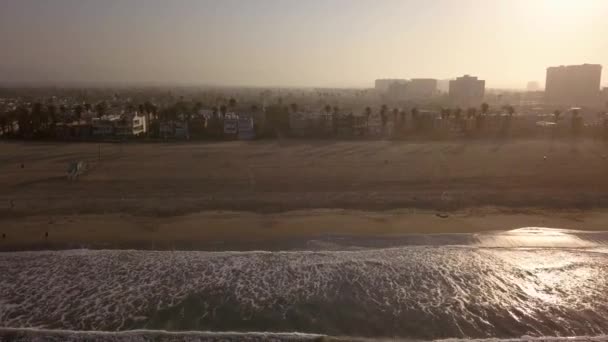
{"type": "Point", "coordinates": [421, 292]}
{"type": "Point", "coordinates": [29, 334]}
{"type": "Point", "coordinates": [538, 237]}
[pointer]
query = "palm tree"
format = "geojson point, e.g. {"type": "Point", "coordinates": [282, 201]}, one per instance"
{"type": "Point", "coordinates": [510, 110]}
{"type": "Point", "coordinates": [458, 113]}
{"type": "Point", "coordinates": [556, 114]}
{"type": "Point", "coordinates": [35, 118]}
{"type": "Point", "coordinates": [188, 112]}
{"type": "Point", "coordinates": [174, 112]}
{"type": "Point", "coordinates": [479, 120]}
{"type": "Point", "coordinates": [414, 112]}
{"type": "Point", "coordinates": [232, 103]}
{"type": "Point", "coordinates": [181, 109]}
{"type": "Point", "coordinates": [3, 122]}
{"type": "Point", "coordinates": [334, 119]}
{"type": "Point", "coordinates": [78, 112]}
{"type": "Point", "coordinates": [52, 117]}
{"type": "Point", "coordinates": [11, 117]}
{"type": "Point", "coordinates": [415, 121]}
{"type": "Point", "coordinates": [336, 110]}
{"type": "Point", "coordinates": [294, 107]}
{"type": "Point", "coordinates": [101, 108]}
{"type": "Point", "coordinates": [327, 109]}
{"type": "Point", "coordinates": [150, 108]}
{"type": "Point", "coordinates": [485, 108]}
{"type": "Point", "coordinates": [258, 120]}
{"type": "Point", "coordinates": [223, 111]}
{"type": "Point", "coordinates": [403, 113]}
{"type": "Point", "coordinates": [26, 120]}
{"type": "Point", "coordinates": [213, 126]}
{"type": "Point", "coordinates": [383, 116]}
{"type": "Point", "coordinates": [574, 112]}
{"type": "Point", "coordinates": [577, 122]}
{"type": "Point", "coordinates": [197, 107]}
{"type": "Point", "coordinates": [254, 111]}
{"type": "Point", "coordinates": [368, 113]}
{"type": "Point", "coordinates": [471, 112]}
{"type": "Point", "coordinates": [154, 110]}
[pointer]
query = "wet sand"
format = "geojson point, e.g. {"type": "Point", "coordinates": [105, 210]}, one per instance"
{"type": "Point", "coordinates": [276, 231]}
{"type": "Point", "coordinates": [265, 194]}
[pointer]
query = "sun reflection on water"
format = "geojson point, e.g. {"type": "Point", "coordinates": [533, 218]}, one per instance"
{"type": "Point", "coordinates": [546, 274]}
{"type": "Point", "coordinates": [533, 237]}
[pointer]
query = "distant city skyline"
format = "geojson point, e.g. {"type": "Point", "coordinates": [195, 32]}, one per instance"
{"type": "Point", "coordinates": [337, 43]}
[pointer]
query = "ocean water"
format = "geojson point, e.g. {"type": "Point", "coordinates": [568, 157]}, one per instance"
{"type": "Point", "coordinates": [531, 283]}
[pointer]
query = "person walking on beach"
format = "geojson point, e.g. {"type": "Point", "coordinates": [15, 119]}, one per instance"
{"type": "Point", "coordinates": [384, 117]}
{"type": "Point", "coordinates": [577, 123]}
{"type": "Point", "coordinates": [605, 125]}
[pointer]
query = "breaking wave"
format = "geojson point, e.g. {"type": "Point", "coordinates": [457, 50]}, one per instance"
{"type": "Point", "coordinates": [408, 292]}
{"type": "Point", "coordinates": [27, 335]}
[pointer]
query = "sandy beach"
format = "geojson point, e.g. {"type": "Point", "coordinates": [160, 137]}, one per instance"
{"type": "Point", "coordinates": [246, 194]}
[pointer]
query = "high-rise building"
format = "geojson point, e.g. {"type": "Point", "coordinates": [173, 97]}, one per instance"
{"type": "Point", "coordinates": [415, 89]}
{"type": "Point", "coordinates": [573, 85]}
{"type": "Point", "coordinates": [397, 91]}
{"type": "Point", "coordinates": [443, 86]}
{"type": "Point", "coordinates": [383, 85]}
{"type": "Point", "coordinates": [533, 86]}
{"type": "Point", "coordinates": [467, 91]}
{"type": "Point", "coordinates": [419, 88]}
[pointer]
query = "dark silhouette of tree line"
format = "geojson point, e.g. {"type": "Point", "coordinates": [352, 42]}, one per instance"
{"type": "Point", "coordinates": [40, 120]}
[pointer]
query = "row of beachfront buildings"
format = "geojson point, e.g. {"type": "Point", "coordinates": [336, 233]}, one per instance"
{"type": "Point", "coordinates": [129, 125]}
{"type": "Point", "coordinates": [246, 125]}
{"type": "Point", "coordinates": [241, 122]}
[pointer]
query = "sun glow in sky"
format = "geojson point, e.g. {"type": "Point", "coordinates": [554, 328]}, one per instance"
{"type": "Point", "coordinates": [568, 13]}
{"type": "Point", "coordinates": [297, 43]}
{"type": "Point", "coordinates": [566, 8]}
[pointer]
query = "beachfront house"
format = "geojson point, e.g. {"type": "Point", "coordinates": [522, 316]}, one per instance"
{"type": "Point", "coordinates": [178, 129]}
{"type": "Point", "coordinates": [77, 129]}
{"type": "Point", "coordinates": [131, 125]}
{"type": "Point", "coordinates": [122, 125]}
{"type": "Point", "coordinates": [104, 126]}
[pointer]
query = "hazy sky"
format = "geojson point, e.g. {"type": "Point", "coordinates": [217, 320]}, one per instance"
{"type": "Point", "coordinates": [297, 42]}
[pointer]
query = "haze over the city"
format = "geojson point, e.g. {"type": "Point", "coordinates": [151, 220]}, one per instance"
{"type": "Point", "coordinates": [340, 43]}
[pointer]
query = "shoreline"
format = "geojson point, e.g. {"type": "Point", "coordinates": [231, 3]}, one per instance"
{"type": "Point", "coordinates": [294, 230]}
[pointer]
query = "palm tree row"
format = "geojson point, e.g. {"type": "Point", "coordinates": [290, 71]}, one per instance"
{"type": "Point", "coordinates": [40, 119]}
